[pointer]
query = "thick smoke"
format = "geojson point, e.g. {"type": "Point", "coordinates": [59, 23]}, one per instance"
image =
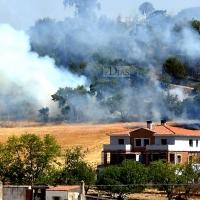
{"type": "Point", "coordinates": [145, 40]}
{"type": "Point", "coordinates": [27, 77]}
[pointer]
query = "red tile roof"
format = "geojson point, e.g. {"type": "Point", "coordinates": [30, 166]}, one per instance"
{"type": "Point", "coordinates": [183, 131]}
{"type": "Point", "coordinates": [63, 187]}
{"type": "Point", "coordinates": [161, 130]}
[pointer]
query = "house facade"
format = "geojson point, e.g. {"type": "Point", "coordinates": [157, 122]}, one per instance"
{"type": "Point", "coordinates": [150, 143]}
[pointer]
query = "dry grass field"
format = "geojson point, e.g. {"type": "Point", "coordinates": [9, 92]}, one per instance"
{"type": "Point", "coordinates": [88, 136]}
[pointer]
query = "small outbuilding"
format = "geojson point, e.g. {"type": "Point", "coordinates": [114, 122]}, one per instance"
{"type": "Point", "coordinates": [69, 192]}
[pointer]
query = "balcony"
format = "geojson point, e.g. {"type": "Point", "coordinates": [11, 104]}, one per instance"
{"type": "Point", "coordinates": [119, 147]}
{"type": "Point", "coordinates": [171, 147]}
{"type": "Point", "coordinates": [157, 147]}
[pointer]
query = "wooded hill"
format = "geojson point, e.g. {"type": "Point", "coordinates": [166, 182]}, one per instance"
{"type": "Point", "coordinates": [156, 48]}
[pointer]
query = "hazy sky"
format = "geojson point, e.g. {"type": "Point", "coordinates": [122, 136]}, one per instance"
{"type": "Point", "coordinates": [22, 14]}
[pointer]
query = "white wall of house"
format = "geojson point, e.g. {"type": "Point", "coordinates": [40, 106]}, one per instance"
{"type": "Point", "coordinates": [64, 195]}
{"type": "Point", "coordinates": [170, 140]}
{"type": "Point", "coordinates": [114, 140]}
{"type": "Point", "coordinates": [181, 143]}
{"type": "Point", "coordinates": [184, 144]}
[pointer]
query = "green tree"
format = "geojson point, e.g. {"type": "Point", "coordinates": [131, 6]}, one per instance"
{"type": "Point", "coordinates": [165, 81]}
{"type": "Point", "coordinates": [172, 104]}
{"type": "Point", "coordinates": [102, 87]}
{"type": "Point", "coordinates": [175, 68]}
{"type": "Point", "coordinates": [187, 177]}
{"type": "Point", "coordinates": [30, 158]}
{"type": "Point", "coordinates": [5, 162]}
{"type": "Point", "coordinates": [130, 177]}
{"type": "Point", "coordinates": [139, 76]}
{"type": "Point", "coordinates": [197, 88]}
{"type": "Point", "coordinates": [71, 101]}
{"type": "Point", "coordinates": [44, 114]}
{"type": "Point", "coordinates": [164, 175]}
{"type": "Point", "coordinates": [115, 102]}
{"type": "Point", "coordinates": [196, 25]}
{"type": "Point", "coordinates": [76, 169]}
{"type": "Point", "coordinates": [77, 68]}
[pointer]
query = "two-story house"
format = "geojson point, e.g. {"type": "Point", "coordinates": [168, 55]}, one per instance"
{"type": "Point", "coordinates": [153, 142]}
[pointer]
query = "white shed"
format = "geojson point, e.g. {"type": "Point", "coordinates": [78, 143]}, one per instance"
{"type": "Point", "coordinates": [68, 192]}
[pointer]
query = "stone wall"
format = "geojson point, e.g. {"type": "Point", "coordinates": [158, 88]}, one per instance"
{"type": "Point", "coordinates": [12, 192]}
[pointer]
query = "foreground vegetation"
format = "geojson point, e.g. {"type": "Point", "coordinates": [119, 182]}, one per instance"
{"type": "Point", "coordinates": [133, 177]}
{"type": "Point", "coordinates": [30, 159]}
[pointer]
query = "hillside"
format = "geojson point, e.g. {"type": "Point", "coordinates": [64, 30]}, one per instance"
{"type": "Point", "coordinates": [89, 136]}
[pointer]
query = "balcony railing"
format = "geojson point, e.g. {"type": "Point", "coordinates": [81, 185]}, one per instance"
{"type": "Point", "coordinates": [119, 147]}
{"type": "Point", "coordinates": [172, 147]}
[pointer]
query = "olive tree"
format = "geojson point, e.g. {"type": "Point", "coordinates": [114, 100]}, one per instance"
{"type": "Point", "coordinates": [130, 177]}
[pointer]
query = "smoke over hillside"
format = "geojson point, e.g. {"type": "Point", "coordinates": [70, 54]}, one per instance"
{"type": "Point", "coordinates": [74, 52]}
{"type": "Point", "coordinates": [26, 77]}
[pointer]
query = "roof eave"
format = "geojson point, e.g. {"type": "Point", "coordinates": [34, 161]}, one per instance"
{"type": "Point", "coordinates": [177, 135]}
{"type": "Point", "coordinates": [110, 134]}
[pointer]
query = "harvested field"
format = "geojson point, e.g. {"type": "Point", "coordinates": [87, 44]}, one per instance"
{"type": "Point", "coordinates": [88, 136]}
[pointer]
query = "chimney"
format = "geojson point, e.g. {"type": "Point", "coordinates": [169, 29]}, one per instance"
{"type": "Point", "coordinates": [163, 122]}
{"type": "Point", "coordinates": [149, 125]}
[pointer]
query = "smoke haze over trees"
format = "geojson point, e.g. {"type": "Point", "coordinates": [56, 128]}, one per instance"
{"type": "Point", "coordinates": [59, 65]}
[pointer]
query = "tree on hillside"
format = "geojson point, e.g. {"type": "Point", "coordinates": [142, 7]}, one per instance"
{"type": "Point", "coordinates": [196, 25]}
{"type": "Point", "coordinates": [44, 114]}
{"type": "Point", "coordinates": [77, 68]}
{"type": "Point", "coordinates": [76, 169]}
{"type": "Point", "coordinates": [72, 101]}
{"type": "Point", "coordinates": [173, 104]}
{"type": "Point", "coordinates": [191, 107]}
{"type": "Point", "coordinates": [146, 8]}
{"type": "Point", "coordinates": [139, 76]}
{"type": "Point", "coordinates": [101, 88]}
{"type": "Point", "coordinates": [114, 104]}
{"type": "Point", "coordinates": [165, 81]}
{"type": "Point", "coordinates": [175, 68]}
{"type": "Point", "coordinates": [83, 8]}
{"type": "Point", "coordinates": [130, 177]}
{"type": "Point", "coordinates": [197, 88]}
{"type": "Point", "coordinates": [43, 41]}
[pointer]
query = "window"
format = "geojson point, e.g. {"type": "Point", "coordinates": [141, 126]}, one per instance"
{"type": "Point", "coordinates": [146, 142]}
{"type": "Point", "coordinates": [197, 143]}
{"type": "Point", "coordinates": [179, 159]}
{"type": "Point", "coordinates": [172, 158]}
{"type": "Point", "coordinates": [119, 158]}
{"type": "Point", "coordinates": [138, 143]}
{"type": "Point", "coordinates": [163, 141]}
{"type": "Point", "coordinates": [190, 158]}
{"type": "Point", "coordinates": [121, 141]}
{"type": "Point", "coordinates": [191, 143]}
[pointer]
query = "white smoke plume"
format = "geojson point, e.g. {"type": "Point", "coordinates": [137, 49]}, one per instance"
{"type": "Point", "coordinates": [25, 75]}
